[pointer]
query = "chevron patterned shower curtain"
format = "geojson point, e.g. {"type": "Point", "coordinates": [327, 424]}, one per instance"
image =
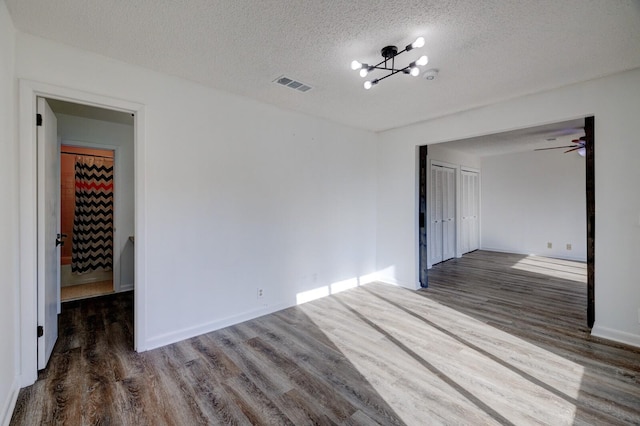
{"type": "Point", "coordinates": [92, 242]}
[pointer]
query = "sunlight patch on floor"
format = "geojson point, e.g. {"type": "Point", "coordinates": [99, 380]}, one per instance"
{"type": "Point", "coordinates": [457, 364]}
{"type": "Point", "coordinates": [558, 268]}
{"type": "Point", "coordinates": [334, 288]}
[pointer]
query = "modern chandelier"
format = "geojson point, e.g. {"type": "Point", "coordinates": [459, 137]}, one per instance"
{"type": "Point", "coordinates": [389, 54]}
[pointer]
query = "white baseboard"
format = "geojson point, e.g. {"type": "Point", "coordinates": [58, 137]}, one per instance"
{"type": "Point", "coordinates": [616, 335]}
{"type": "Point", "coordinates": [125, 287]}
{"type": "Point", "coordinates": [187, 333]}
{"type": "Point", "coordinates": [394, 282]}
{"type": "Point", "coordinates": [10, 403]}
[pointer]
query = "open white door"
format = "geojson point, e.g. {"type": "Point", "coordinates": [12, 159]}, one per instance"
{"type": "Point", "coordinates": [48, 228]}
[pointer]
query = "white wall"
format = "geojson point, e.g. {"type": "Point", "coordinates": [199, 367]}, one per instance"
{"type": "Point", "coordinates": [440, 152]}
{"type": "Point", "coordinates": [72, 129]}
{"type": "Point", "coordinates": [615, 102]}
{"type": "Point", "coordinates": [531, 198]}
{"type": "Point", "coordinates": [9, 223]}
{"type": "Point", "coordinates": [239, 194]}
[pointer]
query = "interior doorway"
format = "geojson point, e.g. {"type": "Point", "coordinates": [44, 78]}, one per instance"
{"type": "Point", "coordinates": [30, 277]}
{"type": "Point", "coordinates": [97, 206]}
{"type": "Point", "coordinates": [79, 253]}
{"type": "Point", "coordinates": [576, 137]}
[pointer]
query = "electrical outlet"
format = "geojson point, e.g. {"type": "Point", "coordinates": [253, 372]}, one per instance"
{"type": "Point", "coordinates": [549, 245]}
{"type": "Point", "coordinates": [568, 246]}
{"type": "Point", "coordinates": [260, 293]}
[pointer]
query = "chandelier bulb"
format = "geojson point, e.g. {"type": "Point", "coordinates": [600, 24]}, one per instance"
{"type": "Point", "coordinates": [355, 65]}
{"type": "Point", "coordinates": [364, 72]}
{"type": "Point", "coordinates": [424, 60]}
{"type": "Point", "coordinates": [418, 43]}
{"type": "Point", "coordinates": [367, 85]}
{"type": "Point", "coordinates": [415, 71]}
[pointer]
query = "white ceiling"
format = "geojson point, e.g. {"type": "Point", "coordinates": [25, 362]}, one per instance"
{"type": "Point", "coordinates": [486, 51]}
{"type": "Point", "coordinates": [521, 140]}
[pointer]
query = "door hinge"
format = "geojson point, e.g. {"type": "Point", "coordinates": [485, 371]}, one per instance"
{"type": "Point", "coordinates": [38, 119]}
{"type": "Point", "coordinates": [40, 331]}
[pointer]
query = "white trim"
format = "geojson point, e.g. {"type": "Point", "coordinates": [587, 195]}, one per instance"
{"type": "Point", "coordinates": [189, 332]}
{"type": "Point", "coordinates": [28, 91]}
{"type": "Point", "coordinates": [469, 169]}
{"type": "Point", "coordinates": [117, 204]}
{"type": "Point", "coordinates": [616, 335]}
{"type": "Point", "coordinates": [10, 403]}
{"type": "Point", "coordinates": [125, 287]}
{"type": "Point", "coordinates": [396, 283]}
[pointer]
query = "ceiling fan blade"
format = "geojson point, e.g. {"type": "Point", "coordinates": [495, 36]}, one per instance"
{"type": "Point", "coordinates": [555, 147]}
{"type": "Point", "coordinates": [574, 149]}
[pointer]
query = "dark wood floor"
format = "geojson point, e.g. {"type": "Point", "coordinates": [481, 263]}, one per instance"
{"type": "Point", "coordinates": [496, 339]}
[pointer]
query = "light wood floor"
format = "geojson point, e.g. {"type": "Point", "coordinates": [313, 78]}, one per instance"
{"type": "Point", "coordinates": [83, 291]}
{"type": "Point", "coordinates": [496, 339]}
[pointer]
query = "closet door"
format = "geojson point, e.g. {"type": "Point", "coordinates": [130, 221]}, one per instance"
{"type": "Point", "coordinates": [464, 213]}
{"type": "Point", "coordinates": [448, 213]}
{"type": "Point", "coordinates": [442, 209]}
{"type": "Point", "coordinates": [475, 212]}
{"type": "Point", "coordinates": [470, 211]}
{"type": "Point", "coordinates": [435, 210]}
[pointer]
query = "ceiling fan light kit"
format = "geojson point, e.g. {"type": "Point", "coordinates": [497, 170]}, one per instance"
{"type": "Point", "coordinates": [389, 54]}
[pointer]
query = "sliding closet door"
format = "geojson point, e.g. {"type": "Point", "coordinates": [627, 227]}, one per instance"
{"type": "Point", "coordinates": [470, 238]}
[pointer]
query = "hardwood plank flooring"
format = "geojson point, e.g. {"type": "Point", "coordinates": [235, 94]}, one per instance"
{"type": "Point", "coordinates": [495, 339]}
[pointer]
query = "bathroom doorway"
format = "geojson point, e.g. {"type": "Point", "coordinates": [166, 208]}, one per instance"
{"type": "Point", "coordinates": [39, 286]}
{"type": "Point", "coordinates": [96, 200]}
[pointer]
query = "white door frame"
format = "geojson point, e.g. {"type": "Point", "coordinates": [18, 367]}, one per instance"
{"type": "Point", "coordinates": [28, 92]}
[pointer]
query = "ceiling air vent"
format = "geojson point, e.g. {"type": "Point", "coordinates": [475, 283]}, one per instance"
{"type": "Point", "coordinates": [292, 84]}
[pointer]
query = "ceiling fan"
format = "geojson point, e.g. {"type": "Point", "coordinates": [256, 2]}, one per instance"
{"type": "Point", "coordinates": [578, 145]}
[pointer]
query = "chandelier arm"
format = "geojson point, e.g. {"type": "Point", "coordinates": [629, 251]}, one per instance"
{"type": "Point", "coordinates": [382, 68]}
{"type": "Point", "coordinates": [391, 73]}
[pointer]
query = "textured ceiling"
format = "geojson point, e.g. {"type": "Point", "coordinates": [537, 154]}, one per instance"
{"type": "Point", "coordinates": [486, 50]}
